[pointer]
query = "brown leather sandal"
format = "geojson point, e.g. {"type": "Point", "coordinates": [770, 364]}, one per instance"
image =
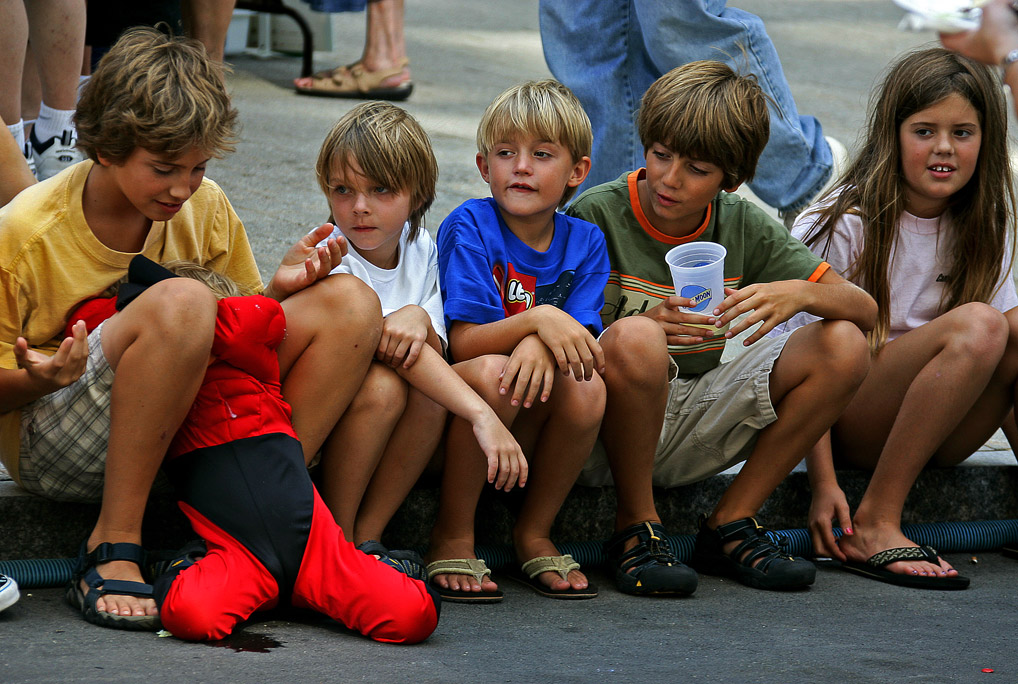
{"type": "Point", "coordinates": [356, 82]}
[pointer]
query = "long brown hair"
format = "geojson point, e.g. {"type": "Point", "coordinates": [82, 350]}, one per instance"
{"type": "Point", "coordinates": [873, 187]}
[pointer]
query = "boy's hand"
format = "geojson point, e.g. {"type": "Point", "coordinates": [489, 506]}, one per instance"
{"type": "Point", "coordinates": [404, 332]}
{"type": "Point", "coordinates": [532, 366]}
{"type": "Point", "coordinates": [829, 504]}
{"type": "Point", "coordinates": [50, 373]}
{"type": "Point", "coordinates": [575, 350]}
{"type": "Point", "coordinates": [507, 466]}
{"type": "Point", "coordinates": [304, 263]}
{"type": "Point", "coordinates": [770, 303]}
{"type": "Point", "coordinates": [681, 327]}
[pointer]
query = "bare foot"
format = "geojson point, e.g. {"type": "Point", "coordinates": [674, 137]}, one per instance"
{"type": "Point", "coordinates": [122, 605]}
{"type": "Point", "coordinates": [451, 548]}
{"type": "Point", "coordinates": [865, 541]}
{"type": "Point", "coordinates": [533, 548]}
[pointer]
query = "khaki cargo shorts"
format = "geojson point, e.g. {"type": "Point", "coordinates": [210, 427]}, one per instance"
{"type": "Point", "coordinates": [711, 420]}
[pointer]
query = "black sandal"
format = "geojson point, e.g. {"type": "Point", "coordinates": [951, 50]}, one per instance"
{"type": "Point", "coordinates": [85, 569]}
{"type": "Point", "coordinates": [757, 561]}
{"type": "Point", "coordinates": [650, 567]}
{"type": "Point", "coordinates": [406, 561]}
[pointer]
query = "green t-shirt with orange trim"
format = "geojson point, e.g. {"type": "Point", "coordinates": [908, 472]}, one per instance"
{"type": "Point", "coordinates": [760, 250]}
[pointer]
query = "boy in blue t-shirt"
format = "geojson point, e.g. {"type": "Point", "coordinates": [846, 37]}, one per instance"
{"type": "Point", "coordinates": [523, 287]}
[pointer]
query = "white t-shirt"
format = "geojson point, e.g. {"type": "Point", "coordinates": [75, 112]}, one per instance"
{"type": "Point", "coordinates": [413, 281]}
{"type": "Point", "coordinates": [920, 266]}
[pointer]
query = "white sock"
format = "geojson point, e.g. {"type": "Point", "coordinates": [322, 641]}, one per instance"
{"type": "Point", "coordinates": [18, 131]}
{"type": "Point", "coordinates": [82, 80]}
{"type": "Point", "coordinates": [52, 122]}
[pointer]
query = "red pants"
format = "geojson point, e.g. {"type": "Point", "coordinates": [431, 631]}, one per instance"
{"type": "Point", "coordinates": [208, 599]}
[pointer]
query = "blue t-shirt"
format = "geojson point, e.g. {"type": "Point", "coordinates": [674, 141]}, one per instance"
{"type": "Point", "coordinates": [488, 274]}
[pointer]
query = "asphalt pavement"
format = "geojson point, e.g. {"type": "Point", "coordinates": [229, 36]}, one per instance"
{"type": "Point", "coordinates": [844, 629]}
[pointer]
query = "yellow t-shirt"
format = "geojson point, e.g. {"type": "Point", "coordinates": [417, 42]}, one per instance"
{"type": "Point", "coordinates": [50, 261]}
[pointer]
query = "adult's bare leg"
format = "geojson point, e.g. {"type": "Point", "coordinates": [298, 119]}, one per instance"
{"type": "Point", "coordinates": [57, 31]}
{"type": "Point", "coordinates": [207, 21]}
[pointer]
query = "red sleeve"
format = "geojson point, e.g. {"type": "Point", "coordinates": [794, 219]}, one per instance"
{"type": "Point", "coordinates": [248, 330]}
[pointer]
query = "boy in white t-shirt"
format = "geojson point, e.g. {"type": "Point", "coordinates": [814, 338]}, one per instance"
{"type": "Point", "coordinates": [377, 168]}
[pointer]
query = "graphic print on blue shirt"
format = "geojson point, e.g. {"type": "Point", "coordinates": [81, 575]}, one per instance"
{"type": "Point", "coordinates": [521, 292]}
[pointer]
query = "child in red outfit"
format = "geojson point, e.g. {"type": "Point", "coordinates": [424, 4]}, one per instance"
{"type": "Point", "coordinates": [240, 474]}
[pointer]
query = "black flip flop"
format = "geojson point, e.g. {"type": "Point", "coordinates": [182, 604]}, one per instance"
{"type": "Point", "coordinates": [876, 568]}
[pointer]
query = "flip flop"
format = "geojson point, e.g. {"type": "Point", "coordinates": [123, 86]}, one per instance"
{"type": "Point", "coordinates": [354, 81]}
{"type": "Point", "coordinates": [876, 568]}
{"type": "Point", "coordinates": [463, 566]}
{"type": "Point", "coordinates": [560, 564]}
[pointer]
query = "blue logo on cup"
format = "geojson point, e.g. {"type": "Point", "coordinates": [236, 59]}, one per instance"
{"type": "Point", "coordinates": [699, 297]}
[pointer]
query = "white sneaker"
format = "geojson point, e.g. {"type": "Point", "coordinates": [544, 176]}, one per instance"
{"type": "Point", "coordinates": [8, 592]}
{"type": "Point", "coordinates": [839, 164]}
{"type": "Point", "coordinates": [56, 154]}
{"type": "Point", "coordinates": [30, 158]}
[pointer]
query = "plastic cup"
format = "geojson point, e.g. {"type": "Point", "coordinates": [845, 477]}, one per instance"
{"type": "Point", "coordinates": [698, 272]}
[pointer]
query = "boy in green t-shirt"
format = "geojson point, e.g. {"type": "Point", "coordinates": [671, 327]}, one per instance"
{"type": "Point", "coordinates": [675, 414]}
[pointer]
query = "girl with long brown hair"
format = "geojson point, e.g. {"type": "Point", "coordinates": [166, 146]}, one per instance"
{"type": "Point", "coordinates": [923, 221]}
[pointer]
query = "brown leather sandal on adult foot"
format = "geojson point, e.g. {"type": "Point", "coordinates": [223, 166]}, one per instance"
{"type": "Point", "coordinates": [355, 82]}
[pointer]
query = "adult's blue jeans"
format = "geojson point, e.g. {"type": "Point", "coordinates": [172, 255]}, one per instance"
{"type": "Point", "coordinates": [608, 52]}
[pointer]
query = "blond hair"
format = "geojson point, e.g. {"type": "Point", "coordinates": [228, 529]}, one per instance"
{"type": "Point", "coordinates": [546, 110]}
{"type": "Point", "coordinates": [707, 111]}
{"type": "Point", "coordinates": [390, 147]}
{"type": "Point", "coordinates": [156, 92]}
{"type": "Point", "coordinates": [221, 285]}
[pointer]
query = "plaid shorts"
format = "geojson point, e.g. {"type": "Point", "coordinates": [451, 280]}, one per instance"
{"type": "Point", "coordinates": [64, 434]}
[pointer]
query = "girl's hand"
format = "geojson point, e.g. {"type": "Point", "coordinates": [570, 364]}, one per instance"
{"type": "Point", "coordinates": [404, 332]}
{"type": "Point", "coordinates": [531, 366]}
{"type": "Point", "coordinates": [507, 466]}
{"type": "Point", "coordinates": [829, 504]}
{"type": "Point", "coordinates": [574, 349]}
{"type": "Point", "coordinates": [50, 373]}
{"type": "Point", "coordinates": [770, 303]}
{"type": "Point", "coordinates": [304, 263]}
{"type": "Point", "coordinates": [681, 327]}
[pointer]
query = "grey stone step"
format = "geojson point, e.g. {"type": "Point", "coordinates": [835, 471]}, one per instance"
{"type": "Point", "coordinates": [983, 488]}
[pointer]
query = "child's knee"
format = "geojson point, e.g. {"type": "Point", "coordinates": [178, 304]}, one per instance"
{"type": "Point", "coordinates": [635, 351]}
{"type": "Point", "coordinates": [482, 375]}
{"type": "Point", "coordinates": [979, 331]}
{"type": "Point", "coordinates": [342, 304]}
{"type": "Point", "coordinates": [845, 350]}
{"type": "Point", "coordinates": [383, 393]}
{"type": "Point", "coordinates": [179, 309]}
